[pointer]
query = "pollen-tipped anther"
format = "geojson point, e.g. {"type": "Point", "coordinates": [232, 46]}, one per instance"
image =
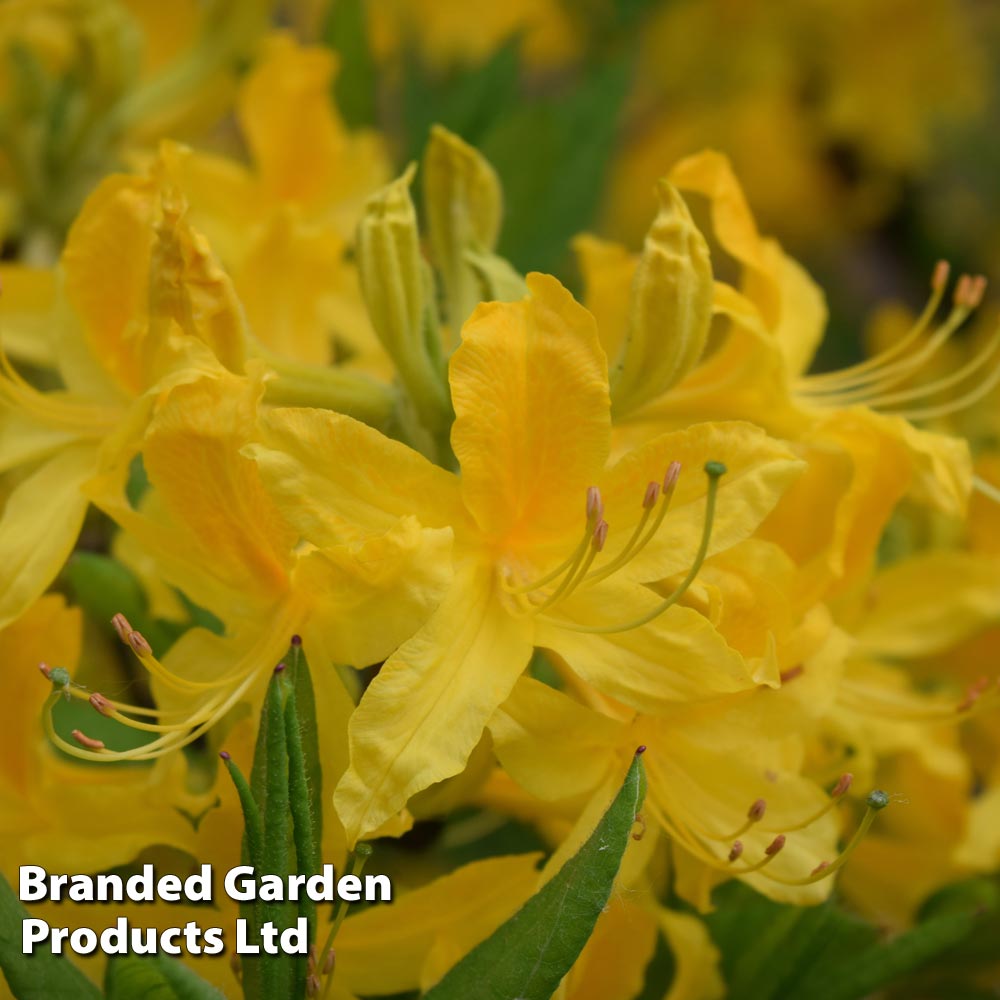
{"type": "Point", "coordinates": [775, 846]}
{"type": "Point", "coordinates": [46, 671]}
{"type": "Point", "coordinates": [736, 851]}
{"type": "Point", "coordinates": [122, 627]}
{"type": "Point", "coordinates": [87, 741]}
{"type": "Point", "coordinates": [791, 673]}
{"type": "Point", "coordinates": [313, 985]}
{"type": "Point", "coordinates": [821, 867]}
{"type": "Point", "coordinates": [756, 811]}
{"type": "Point", "coordinates": [651, 495]}
{"type": "Point", "coordinates": [100, 703]}
{"type": "Point", "coordinates": [329, 961]}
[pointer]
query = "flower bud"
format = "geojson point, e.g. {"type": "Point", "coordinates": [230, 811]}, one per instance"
{"type": "Point", "coordinates": [670, 308]}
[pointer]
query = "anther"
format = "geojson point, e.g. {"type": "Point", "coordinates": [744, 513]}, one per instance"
{"type": "Point", "coordinates": [139, 644]}
{"type": "Point", "coordinates": [312, 986]}
{"type": "Point", "coordinates": [843, 784]}
{"type": "Point", "coordinates": [670, 478]}
{"type": "Point", "coordinates": [99, 702]}
{"type": "Point", "coordinates": [736, 850]}
{"type": "Point", "coordinates": [87, 741]}
{"type": "Point", "coordinates": [329, 961]}
{"type": "Point", "coordinates": [122, 627]}
{"type": "Point", "coordinates": [963, 287]}
{"type": "Point", "coordinates": [775, 846]}
{"type": "Point", "coordinates": [600, 535]}
{"type": "Point", "coordinates": [225, 755]}
{"type": "Point", "coordinates": [977, 291]}
{"type": "Point", "coordinates": [791, 673]}
{"type": "Point", "coordinates": [651, 495]}
{"type": "Point", "coordinates": [821, 867]}
{"type": "Point", "coordinates": [756, 811]}
{"type": "Point", "coordinates": [940, 276]}
{"type": "Point", "coordinates": [595, 505]}
{"type": "Point", "coordinates": [639, 751]}
{"type": "Point", "coordinates": [46, 671]}
{"type": "Point", "coordinates": [640, 821]}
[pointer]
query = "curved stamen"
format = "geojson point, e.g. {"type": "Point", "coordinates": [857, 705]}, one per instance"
{"type": "Point", "coordinates": [939, 282]}
{"type": "Point", "coordinates": [839, 791]}
{"type": "Point", "coordinates": [634, 545]}
{"type": "Point", "coordinates": [876, 802]}
{"type": "Point", "coordinates": [714, 471]}
{"type": "Point", "coordinates": [967, 296]}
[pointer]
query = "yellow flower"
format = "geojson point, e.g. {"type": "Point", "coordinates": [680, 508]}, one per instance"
{"type": "Point", "coordinates": [726, 781]}
{"type": "Point", "coordinates": [863, 452]}
{"type": "Point", "coordinates": [217, 536]}
{"type": "Point", "coordinates": [532, 435]}
{"type": "Point", "coordinates": [143, 307]}
{"type": "Point", "coordinates": [282, 226]}
{"type": "Point", "coordinates": [84, 80]}
{"type": "Point", "coordinates": [126, 333]}
{"type": "Point", "coordinates": [55, 812]}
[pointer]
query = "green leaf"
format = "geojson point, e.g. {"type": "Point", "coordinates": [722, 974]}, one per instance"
{"type": "Point", "coordinates": [552, 157]}
{"type": "Point", "coordinates": [156, 977]}
{"type": "Point", "coordinates": [528, 955]}
{"type": "Point", "coordinates": [469, 101]}
{"type": "Point", "coordinates": [305, 712]}
{"type": "Point", "coordinates": [355, 86]}
{"type": "Point", "coordinates": [771, 950]}
{"type": "Point", "coordinates": [103, 587]}
{"type": "Point", "coordinates": [41, 975]}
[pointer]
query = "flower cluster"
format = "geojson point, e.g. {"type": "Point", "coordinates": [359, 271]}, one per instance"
{"type": "Point", "coordinates": [520, 531]}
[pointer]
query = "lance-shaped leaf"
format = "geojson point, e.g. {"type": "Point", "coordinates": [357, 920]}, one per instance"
{"type": "Point", "coordinates": [156, 976]}
{"type": "Point", "coordinates": [282, 814]}
{"type": "Point", "coordinates": [528, 955]}
{"type": "Point", "coordinates": [40, 975]}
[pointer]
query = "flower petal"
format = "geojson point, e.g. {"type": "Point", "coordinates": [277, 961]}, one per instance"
{"type": "Point", "coordinates": [39, 527]}
{"type": "Point", "coordinates": [529, 385]}
{"type": "Point", "coordinates": [426, 710]}
{"type": "Point", "coordinates": [336, 479]}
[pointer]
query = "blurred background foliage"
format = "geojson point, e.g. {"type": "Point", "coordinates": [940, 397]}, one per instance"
{"type": "Point", "coordinates": [863, 132]}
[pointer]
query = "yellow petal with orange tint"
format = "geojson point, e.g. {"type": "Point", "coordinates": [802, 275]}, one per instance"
{"type": "Point", "coordinates": [532, 428]}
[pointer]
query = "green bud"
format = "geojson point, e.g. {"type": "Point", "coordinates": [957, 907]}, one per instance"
{"type": "Point", "coordinates": [464, 206]}
{"type": "Point", "coordinates": [670, 309]}
{"type": "Point", "coordinates": [398, 291]}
